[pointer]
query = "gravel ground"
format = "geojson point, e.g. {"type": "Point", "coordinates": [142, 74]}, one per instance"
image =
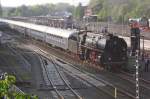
{"type": "Point", "coordinates": [124, 84]}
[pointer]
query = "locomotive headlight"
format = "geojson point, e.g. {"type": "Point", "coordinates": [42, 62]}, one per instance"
{"type": "Point", "coordinates": [123, 49]}
{"type": "Point", "coordinates": [115, 43]}
{"type": "Point", "coordinates": [99, 57]}
{"type": "Point", "coordinates": [109, 59]}
{"type": "Point", "coordinates": [123, 58]}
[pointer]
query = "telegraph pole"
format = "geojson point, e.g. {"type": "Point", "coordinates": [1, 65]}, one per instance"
{"type": "Point", "coordinates": [1, 10]}
{"type": "Point", "coordinates": [135, 51]}
{"type": "Point", "coordinates": [137, 74]}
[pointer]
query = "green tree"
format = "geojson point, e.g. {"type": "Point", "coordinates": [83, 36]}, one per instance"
{"type": "Point", "coordinates": [6, 84]}
{"type": "Point", "coordinates": [37, 10]}
{"type": "Point", "coordinates": [79, 12]}
{"type": "Point", "coordinates": [120, 9]}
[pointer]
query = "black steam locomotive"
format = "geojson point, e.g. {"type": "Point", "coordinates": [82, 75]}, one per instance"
{"type": "Point", "coordinates": [109, 51]}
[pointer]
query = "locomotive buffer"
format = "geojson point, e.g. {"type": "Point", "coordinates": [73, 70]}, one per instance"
{"type": "Point", "coordinates": [135, 51]}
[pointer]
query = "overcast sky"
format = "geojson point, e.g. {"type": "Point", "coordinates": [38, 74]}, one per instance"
{"type": "Point", "coordinates": [14, 3]}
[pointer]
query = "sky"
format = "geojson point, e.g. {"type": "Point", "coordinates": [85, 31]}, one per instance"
{"type": "Point", "coordinates": [15, 3]}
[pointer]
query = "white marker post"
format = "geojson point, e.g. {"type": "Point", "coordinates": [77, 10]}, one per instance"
{"type": "Point", "coordinates": [115, 93]}
{"type": "Point", "coordinates": [137, 74]}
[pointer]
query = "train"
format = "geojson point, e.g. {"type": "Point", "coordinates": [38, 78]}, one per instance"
{"type": "Point", "coordinates": [109, 51]}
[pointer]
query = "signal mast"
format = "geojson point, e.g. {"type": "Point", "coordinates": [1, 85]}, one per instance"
{"type": "Point", "coordinates": [135, 51]}
{"type": "Point", "coordinates": [1, 10]}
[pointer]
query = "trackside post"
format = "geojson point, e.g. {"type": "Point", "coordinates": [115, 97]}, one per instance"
{"type": "Point", "coordinates": [115, 93]}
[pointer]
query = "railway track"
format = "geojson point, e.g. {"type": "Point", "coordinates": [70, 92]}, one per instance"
{"type": "Point", "coordinates": [17, 52]}
{"type": "Point", "coordinates": [56, 89]}
{"type": "Point", "coordinates": [127, 84]}
{"type": "Point", "coordinates": [91, 79]}
{"type": "Point", "coordinates": [122, 90]}
{"type": "Point", "coordinates": [13, 88]}
{"type": "Point", "coordinates": [20, 81]}
{"type": "Point", "coordinates": [144, 84]}
{"type": "Point", "coordinates": [130, 91]}
{"type": "Point", "coordinates": [133, 76]}
{"type": "Point", "coordinates": [51, 82]}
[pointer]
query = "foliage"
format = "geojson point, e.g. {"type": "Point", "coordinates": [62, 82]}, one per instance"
{"type": "Point", "coordinates": [47, 9]}
{"type": "Point", "coordinates": [37, 10]}
{"type": "Point", "coordinates": [120, 10]}
{"type": "Point", "coordinates": [79, 12]}
{"type": "Point", "coordinates": [6, 83]}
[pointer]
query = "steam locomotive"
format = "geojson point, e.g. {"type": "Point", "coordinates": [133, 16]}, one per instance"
{"type": "Point", "coordinates": [109, 51]}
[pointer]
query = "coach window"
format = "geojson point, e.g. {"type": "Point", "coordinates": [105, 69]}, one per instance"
{"type": "Point", "coordinates": [63, 40]}
{"type": "Point", "coordinates": [60, 39]}
{"type": "Point", "coordinates": [73, 38]}
{"type": "Point", "coordinates": [52, 37]}
{"type": "Point", "coordinates": [57, 38]}
{"type": "Point", "coordinates": [49, 36]}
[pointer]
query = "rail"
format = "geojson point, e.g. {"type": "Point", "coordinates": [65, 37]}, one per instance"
{"type": "Point", "coordinates": [98, 79]}
{"type": "Point", "coordinates": [53, 85]}
{"type": "Point", "coordinates": [63, 79]}
{"type": "Point", "coordinates": [75, 93]}
{"type": "Point", "coordinates": [28, 65]}
{"type": "Point", "coordinates": [16, 89]}
{"type": "Point", "coordinates": [111, 86]}
{"type": "Point", "coordinates": [145, 83]}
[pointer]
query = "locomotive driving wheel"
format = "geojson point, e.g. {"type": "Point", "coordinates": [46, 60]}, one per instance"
{"type": "Point", "coordinates": [92, 56]}
{"type": "Point", "coordinates": [108, 68]}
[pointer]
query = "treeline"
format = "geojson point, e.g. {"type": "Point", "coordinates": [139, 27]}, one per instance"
{"type": "Point", "coordinates": [120, 10]}
{"type": "Point", "coordinates": [37, 10]}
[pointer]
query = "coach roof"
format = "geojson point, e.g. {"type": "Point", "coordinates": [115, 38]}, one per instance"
{"type": "Point", "coordinates": [65, 33]}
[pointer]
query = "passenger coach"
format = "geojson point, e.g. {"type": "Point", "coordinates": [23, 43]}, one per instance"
{"type": "Point", "coordinates": [62, 38]}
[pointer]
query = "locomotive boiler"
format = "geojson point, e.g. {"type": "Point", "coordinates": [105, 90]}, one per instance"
{"type": "Point", "coordinates": [109, 51]}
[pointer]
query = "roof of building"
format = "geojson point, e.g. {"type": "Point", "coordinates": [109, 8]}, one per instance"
{"type": "Point", "coordinates": [65, 33]}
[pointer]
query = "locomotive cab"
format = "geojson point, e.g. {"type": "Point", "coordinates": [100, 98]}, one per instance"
{"type": "Point", "coordinates": [73, 43]}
